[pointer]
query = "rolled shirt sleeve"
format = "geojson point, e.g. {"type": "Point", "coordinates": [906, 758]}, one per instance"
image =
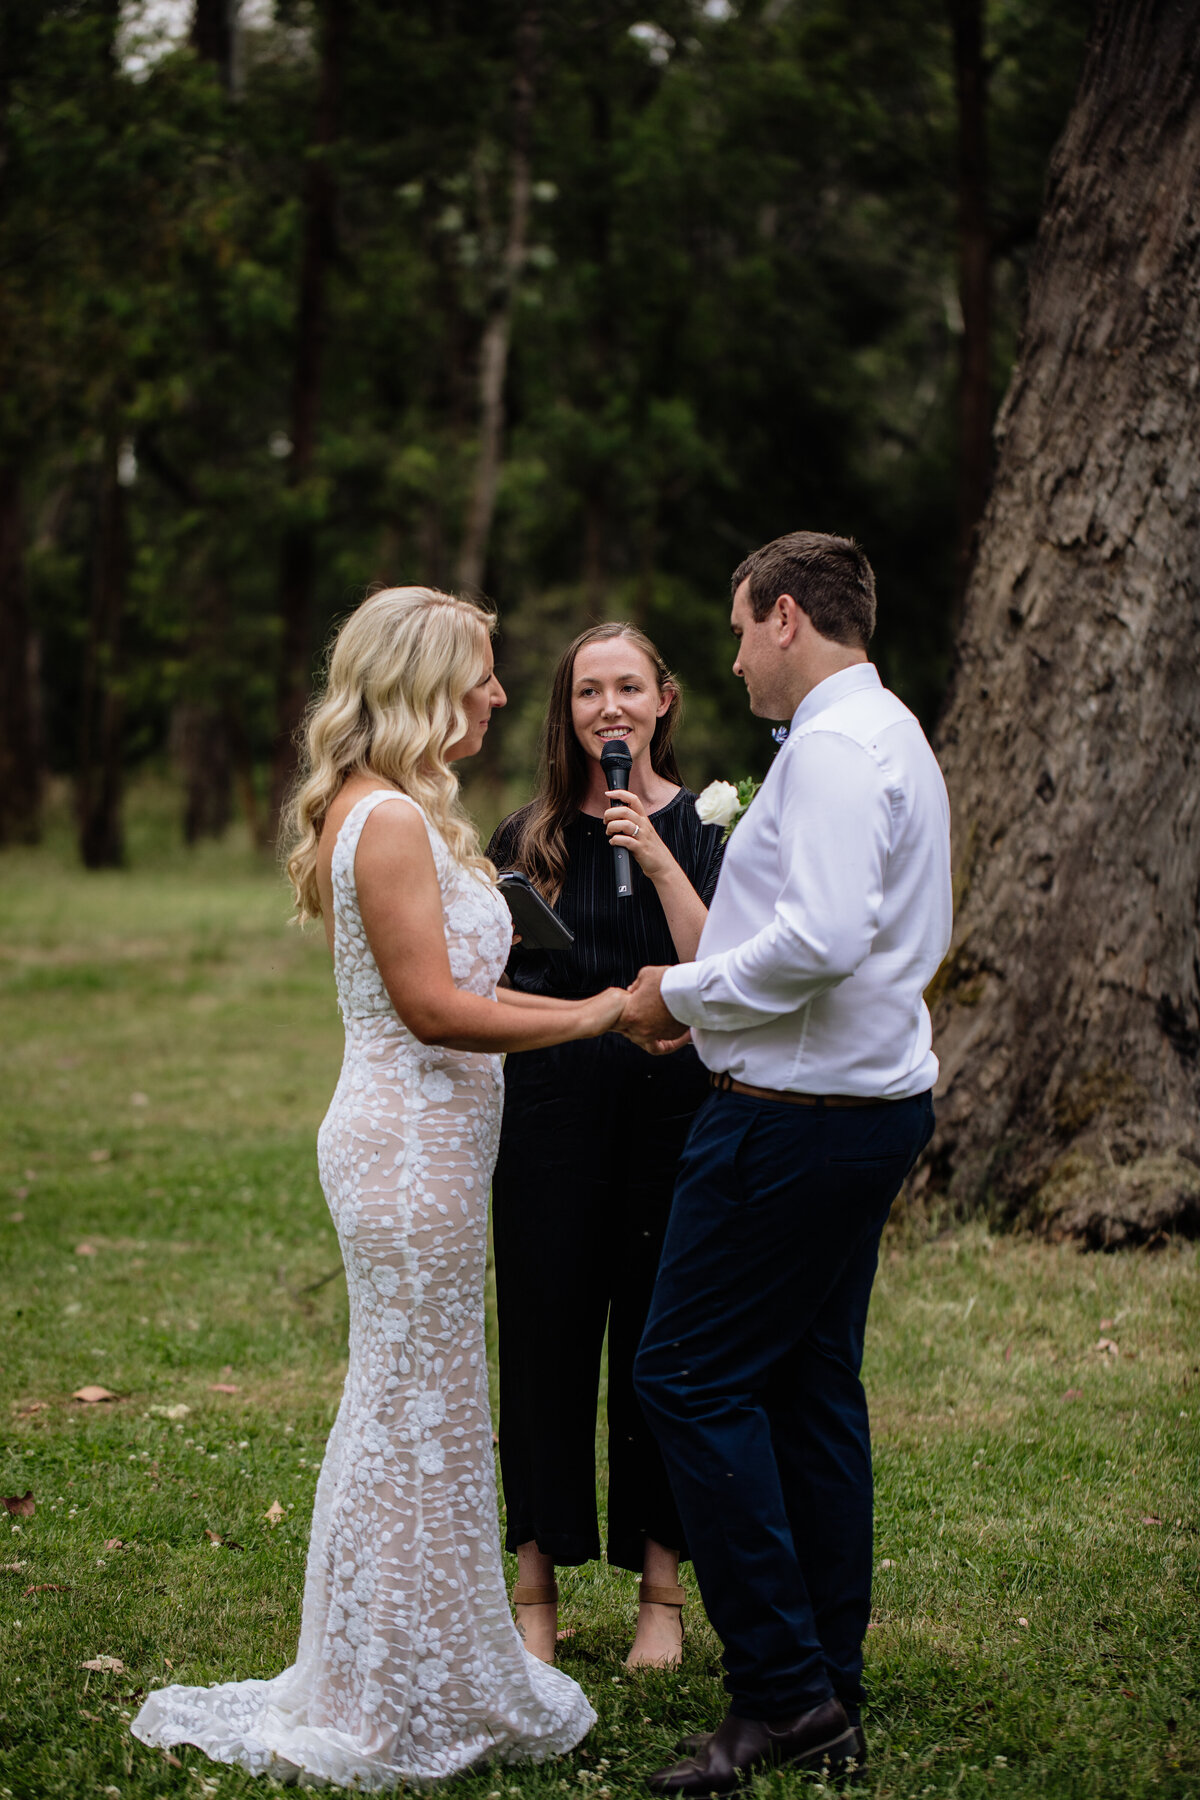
{"type": "Point", "coordinates": [834, 828]}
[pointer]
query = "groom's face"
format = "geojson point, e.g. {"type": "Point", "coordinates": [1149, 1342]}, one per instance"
{"type": "Point", "coordinates": [757, 660]}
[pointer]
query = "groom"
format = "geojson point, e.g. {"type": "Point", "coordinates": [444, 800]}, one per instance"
{"type": "Point", "coordinates": [805, 1002]}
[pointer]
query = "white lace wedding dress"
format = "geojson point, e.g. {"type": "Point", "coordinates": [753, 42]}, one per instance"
{"type": "Point", "coordinates": [409, 1666]}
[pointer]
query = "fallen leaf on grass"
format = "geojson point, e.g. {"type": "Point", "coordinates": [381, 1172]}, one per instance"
{"type": "Point", "coordinates": [30, 1407]}
{"type": "Point", "coordinates": [1108, 1347]}
{"type": "Point", "coordinates": [178, 1411]}
{"type": "Point", "coordinates": [111, 1665]}
{"type": "Point", "coordinates": [44, 1587]}
{"type": "Point", "coordinates": [99, 1156]}
{"type": "Point", "coordinates": [22, 1505]}
{"type": "Point", "coordinates": [171, 1761]}
{"type": "Point", "coordinates": [1129, 1693]}
{"type": "Point", "coordinates": [16, 1218]}
{"type": "Point", "coordinates": [273, 1513]}
{"type": "Point", "coordinates": [93, 1396]}
{"type": "Point", "coordinates": [1073, 1394]}
{"type": "Point", "coordinates": [86, 1250]}
{"type": "Point", "coordinates": [224, 1387]}
{"type": "Point", "coordinates": [1107, 1324]}
{"type": "Point", "coordinates": [11, 1568]}
{"type": "Point", "coordinates": [1151, 1519]}
{"type": "Point", "coordinates": [220, 1543]}
{"type": "Point", "coordinates": [114, 1543]}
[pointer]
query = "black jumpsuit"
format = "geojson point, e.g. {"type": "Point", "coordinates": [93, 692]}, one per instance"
{"type": "Point", "coordinates": [591, 1138]}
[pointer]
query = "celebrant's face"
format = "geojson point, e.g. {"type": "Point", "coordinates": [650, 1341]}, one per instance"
{"type": "Point", "coordinates": [479, 703]}
{"type": "Point", "coordinates": [615, 696]}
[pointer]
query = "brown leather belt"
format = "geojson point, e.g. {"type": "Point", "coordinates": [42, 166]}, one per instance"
{"type": "Point", "coordinates": [725, 1084]}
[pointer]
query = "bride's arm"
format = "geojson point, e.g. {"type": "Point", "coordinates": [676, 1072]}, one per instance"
{"type": "Point", "coordinates": [401, 906]}
{"type": "Point", "coordinates": [510, 996]}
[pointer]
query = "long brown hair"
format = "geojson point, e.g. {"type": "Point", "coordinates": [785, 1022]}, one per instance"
{"type": "Point", "coordinates": [540, 848]}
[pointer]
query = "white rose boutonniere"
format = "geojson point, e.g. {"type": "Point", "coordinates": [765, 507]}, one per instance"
{"type": "Point", "coordinates": [721, 803]}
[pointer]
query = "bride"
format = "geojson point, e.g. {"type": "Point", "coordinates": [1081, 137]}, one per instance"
{"type": "Point", "coordinates": [409, 1665]}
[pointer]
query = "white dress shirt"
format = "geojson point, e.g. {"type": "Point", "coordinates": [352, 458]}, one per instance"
{"type": "Point", "coordinates": [833, 908]}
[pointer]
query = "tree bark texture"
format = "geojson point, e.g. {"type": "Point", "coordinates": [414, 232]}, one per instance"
{"type": "Point", "coordinates": [974, 277]}
{"type": "Point", "coordinates": [20, 760]}
{"type": "Point", "coordinates": [297, 567]}
{"type": "Point", "coordinates": [101, 716]}
{"type": "Point", "coordinates": [497, 334]}
{"type": "Point", "coordinates": [1067, 1015]}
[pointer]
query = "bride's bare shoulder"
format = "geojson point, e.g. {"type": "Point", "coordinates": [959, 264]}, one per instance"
{"type": "Point", "coordinates": [395, 825]}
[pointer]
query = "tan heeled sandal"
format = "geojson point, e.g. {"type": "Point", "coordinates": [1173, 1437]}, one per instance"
{"type": "Point", "coordinates": [526, 1594]}
{"type": "Point", "coordinates": [655, 1594]}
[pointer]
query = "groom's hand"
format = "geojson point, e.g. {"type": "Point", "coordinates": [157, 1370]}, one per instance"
{"type": "Point", "coordinates": [646, 1019]}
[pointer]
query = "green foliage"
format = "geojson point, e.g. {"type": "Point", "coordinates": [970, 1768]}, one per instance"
{"type": "Point", "coordinates": [1034, 1630]}
{"type": "Point", "coordinates": [737, 315]}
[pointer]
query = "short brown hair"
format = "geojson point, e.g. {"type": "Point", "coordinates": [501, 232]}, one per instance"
{"type": "Point", "coordinates": [829, 577]}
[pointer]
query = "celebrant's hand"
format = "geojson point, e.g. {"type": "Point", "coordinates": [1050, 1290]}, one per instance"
{"type": "Point", "coordinates": [645, 1018]}
{"type": "Point", "coordinates": [629, 827]}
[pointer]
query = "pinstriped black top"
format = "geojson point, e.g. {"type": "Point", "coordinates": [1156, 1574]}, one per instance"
{"type": "Point", "coordinates": [613, 938]}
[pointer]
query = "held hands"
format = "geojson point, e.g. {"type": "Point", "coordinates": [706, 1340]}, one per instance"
{"type": "Point", "coordinates": [645, 1018]}
{"type": "Point", "coordinates": [628, 826]}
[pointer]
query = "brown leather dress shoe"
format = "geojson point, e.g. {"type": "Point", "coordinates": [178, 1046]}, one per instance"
{"type": "Point", "coordinates": [821, 1738]}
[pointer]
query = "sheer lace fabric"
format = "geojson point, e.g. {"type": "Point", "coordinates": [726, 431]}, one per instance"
{"type": "Point", "coordinates": [409, 1666]}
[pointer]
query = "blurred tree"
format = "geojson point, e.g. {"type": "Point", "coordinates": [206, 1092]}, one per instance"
{"type": "Point", "coordinates": [21, 772]}
{"type": "Point", "coordinates": [1068, 1017]}
{"type": "Point", "coordinates": [298, 555]}
{"type": "Point", "coordinates": [214, 36]}
{"type": "Point", "coordinates": [974, 277]}
{"type": "Point", "coordinates": [497, 334]}
{"type": "Point", "coordinates": [205, 723]}
{"type": "Point", "coordinates": [736, 234]}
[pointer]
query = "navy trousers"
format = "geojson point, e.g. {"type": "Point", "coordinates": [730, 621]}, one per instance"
{"type": "Point", "coordinates": [748, 1372]}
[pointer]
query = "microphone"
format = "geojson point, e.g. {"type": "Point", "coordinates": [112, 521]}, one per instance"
{"type": "Point", "coordinates": [616, 762]}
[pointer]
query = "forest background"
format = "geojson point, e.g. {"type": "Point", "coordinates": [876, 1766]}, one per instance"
{"type": "Point", "coordinates": [570, 306]}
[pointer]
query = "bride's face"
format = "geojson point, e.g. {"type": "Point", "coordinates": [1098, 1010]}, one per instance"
{"type": "Point", "coordinates": [615, 695]}
{"type": "Point", "coordinates": [479, 703]}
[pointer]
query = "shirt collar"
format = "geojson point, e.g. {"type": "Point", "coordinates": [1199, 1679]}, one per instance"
{"type": "Point", "coordinates": [834, 688]}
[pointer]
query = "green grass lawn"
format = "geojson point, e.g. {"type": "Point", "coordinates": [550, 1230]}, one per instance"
{"type": "Point", "coordinates": [169, 1045]}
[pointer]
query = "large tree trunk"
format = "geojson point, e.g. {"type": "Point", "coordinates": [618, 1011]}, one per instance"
{"type": "Point", "coordinates": [297, 566]}
{"type": "Point", "coordinates": [493, 356]}
{"type": "Point", "coordinates": [1068, 1012]}
{"type": "Point", "coordinates": [101, 714]}
{"type": "Point", "coordinates": [974, 277]}
{"type": "Point", "coordinates": [20, 761]}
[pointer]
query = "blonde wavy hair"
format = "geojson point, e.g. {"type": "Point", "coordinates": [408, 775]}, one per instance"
{"type": "Point", "coordinates": [398, 672]}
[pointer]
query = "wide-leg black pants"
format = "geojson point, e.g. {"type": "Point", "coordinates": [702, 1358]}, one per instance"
{"type": "Point", "coordinates": [581, 1196]}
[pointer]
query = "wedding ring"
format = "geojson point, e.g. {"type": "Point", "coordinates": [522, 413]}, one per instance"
{"type": "Point", "coordinates": [636, 829]}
